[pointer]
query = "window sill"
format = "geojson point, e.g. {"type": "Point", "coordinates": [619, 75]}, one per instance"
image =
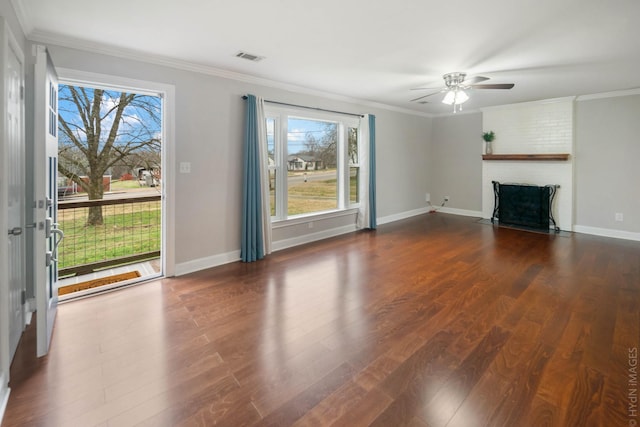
{"type": "Point", "coordinates": [275, 224]}
{"type": "Point", "coordinates": [540, 157]}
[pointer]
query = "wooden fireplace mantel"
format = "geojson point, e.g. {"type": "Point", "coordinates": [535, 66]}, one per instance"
{"type": "Point", "coordinates": [544, 157]}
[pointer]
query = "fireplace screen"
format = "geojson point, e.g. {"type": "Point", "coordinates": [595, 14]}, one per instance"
{"type": "Point", "coordinates": [524, 205]}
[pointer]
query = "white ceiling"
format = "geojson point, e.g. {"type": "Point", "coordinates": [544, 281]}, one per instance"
{"type": "Point", "coordinates": [375, 50]}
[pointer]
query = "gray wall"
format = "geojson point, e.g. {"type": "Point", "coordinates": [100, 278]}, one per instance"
{"type": "Point", "coordinates": [456, 161]}
{"type": "Point", "coordinates": [402, 152]}
{"type": "Point", "coordinates": [209, 117]}
{"type": "Point", "coordinates": [607, 165]}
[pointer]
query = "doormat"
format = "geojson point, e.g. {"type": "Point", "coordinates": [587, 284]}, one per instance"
{"type": "Point", "coordinates": [98, 282]}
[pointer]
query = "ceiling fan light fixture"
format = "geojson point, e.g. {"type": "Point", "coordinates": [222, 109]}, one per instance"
{"type": "Point", "coordinates": [461, 97]}
{"type": "Point", "coordinates": [449, 98]}
{"type": "Point", "coordinates": [455, 97]}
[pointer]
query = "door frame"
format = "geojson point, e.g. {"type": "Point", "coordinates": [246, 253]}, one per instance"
{"type": "Point", "coordinates": [7, 42]}
{"type": "Point", "coordinates": [84, 78]}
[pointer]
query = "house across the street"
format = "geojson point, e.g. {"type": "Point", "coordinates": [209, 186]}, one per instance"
{"type": "Point", "coordinates": [303, 162]}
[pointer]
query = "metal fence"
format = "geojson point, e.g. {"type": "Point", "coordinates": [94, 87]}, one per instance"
{"type": "Point", "coordinates": [131, 232]}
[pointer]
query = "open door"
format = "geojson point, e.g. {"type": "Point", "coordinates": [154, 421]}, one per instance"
{"type": "Point", "coordinates": [47, 236]}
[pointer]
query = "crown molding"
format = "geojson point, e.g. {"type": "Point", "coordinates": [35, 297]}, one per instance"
{"type": "Point", "coordinates": [135, 55]}
{"type": "Point", "coordinates": [537, 102]}
{"type": "Point", "coordinates": [577, 98]}
{"type": "Point", "coordinates": [614, 94]}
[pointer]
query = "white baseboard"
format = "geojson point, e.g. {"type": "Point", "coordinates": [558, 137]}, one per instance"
{"type": "Point", "coordinates": [607, 232]}
{"type": "Point", "coordinates": [207, 262]}
{"type": "Point", "coordinates": [462, 212]}
{"type": "Point", "coordinates": [402, 215]}
{"type": "Point", "coordinates": [229, 257]}
{"type": "Point", "coordinates": [313, 237]}
{"type": "Point", "coordinates": [416, 212]}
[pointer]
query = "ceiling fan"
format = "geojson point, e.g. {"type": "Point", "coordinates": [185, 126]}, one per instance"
{"type": "Point", "coordinates": [455, 87]}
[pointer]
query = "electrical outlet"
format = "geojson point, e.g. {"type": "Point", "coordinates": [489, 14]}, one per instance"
{"type": "Point", "coordinates": [427, 197]}
{"type": "Point", "coordinates": [185, 167]}
{"type": "Point", "coordinates": [619, 216]}
{"type": "Point", "coordinates": [446, 198]}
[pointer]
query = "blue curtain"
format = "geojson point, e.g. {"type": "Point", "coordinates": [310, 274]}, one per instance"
{"type": "Point", "coordinates": [372, 172]}
{"type": "Point", "coordinates": [252, 246]}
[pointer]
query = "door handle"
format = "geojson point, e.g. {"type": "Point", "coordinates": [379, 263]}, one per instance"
{"type": "Point", "coordinates": [15, 231]}
{"type": "Point", "coordinates": [58, 236]}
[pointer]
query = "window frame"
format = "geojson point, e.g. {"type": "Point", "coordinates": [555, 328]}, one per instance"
{"type": "Point", "coordinates": [281, 115]}
{"type": "Point", "coordinates": [357, 165]}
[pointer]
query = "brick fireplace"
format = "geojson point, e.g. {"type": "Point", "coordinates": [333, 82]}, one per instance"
{"type": "Point", "coordinates": [534, 145]}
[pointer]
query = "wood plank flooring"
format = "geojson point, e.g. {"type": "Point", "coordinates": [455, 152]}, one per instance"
{"type": "Point", "coordinates": [432, 321]}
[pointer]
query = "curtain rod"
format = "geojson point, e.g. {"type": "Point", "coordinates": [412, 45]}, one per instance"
{"type": "Point", "coordinates": [309, 108]}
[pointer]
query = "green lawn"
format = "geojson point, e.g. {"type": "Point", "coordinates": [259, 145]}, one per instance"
{"type": "Point", "coordinates": [127, 230]}
{"type": "Point", "coordinates": [124, 185]}
{"type": "Point", "coordinates": [129, 185]}
{"type": "Point", "coordinates": [315, 196]}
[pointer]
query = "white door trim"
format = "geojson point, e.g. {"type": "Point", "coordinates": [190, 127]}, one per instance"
{"type": "Point", "coordinates": [105, 81]}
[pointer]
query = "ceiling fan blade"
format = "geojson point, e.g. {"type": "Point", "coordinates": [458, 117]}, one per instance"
{"type": "Point", "coordinates": [494, 86]}
{"type": "Point", "coordinates": [473, 80]}
{"type": "Point", "coordinates": [425, 96]}
{"type": "Point", "coordinates": [423, 88]}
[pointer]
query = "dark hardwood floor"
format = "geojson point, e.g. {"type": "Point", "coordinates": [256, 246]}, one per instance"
{"type": "Point", "coordinates": [433, 321]}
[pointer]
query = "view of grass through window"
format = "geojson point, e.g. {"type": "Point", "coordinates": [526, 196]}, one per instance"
{"type": "Point", "coordinates": [128, 229]}
{"type": "Point", "coordinates": [311, 165]}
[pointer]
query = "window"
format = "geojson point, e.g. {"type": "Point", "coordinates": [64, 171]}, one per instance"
{"type": "Point", "coordinates": [314, 164]}
{"type": "Point", "coordinates": [53, 109]}
{"type": "Point", "coordinates": [354, 165]}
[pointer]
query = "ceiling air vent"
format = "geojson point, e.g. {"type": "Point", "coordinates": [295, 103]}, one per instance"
{"type": "Point", "coordinates": [250, 57]}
